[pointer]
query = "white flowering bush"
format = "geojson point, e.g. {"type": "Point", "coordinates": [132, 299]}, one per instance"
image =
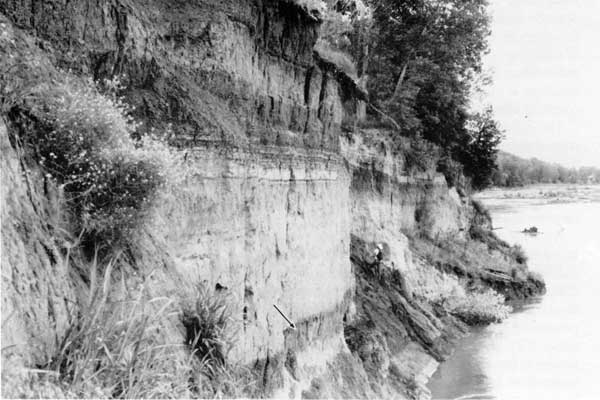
{"type": "Point", "coordinates": [84, 141]}
{"type": "Point", "coordinates": [473, 307]}
{"type": "Point", "coordinates": [476, 308]}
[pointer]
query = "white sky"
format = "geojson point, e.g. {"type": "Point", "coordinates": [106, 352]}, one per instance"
{"type": "Point", "coordinates": [545, 63]}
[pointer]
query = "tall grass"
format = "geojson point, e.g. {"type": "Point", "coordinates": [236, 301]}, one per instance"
{"type": "Point", "coordinates": [209, 327]}
{"type": "Point", "coordinates": [210, 336]}
{"type": "Point", "coordinates": [117, 347]}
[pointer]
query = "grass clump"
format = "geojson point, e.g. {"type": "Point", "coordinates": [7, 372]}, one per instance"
{"type": "Point", "coordinates": [28, 383]}
{"type": "Point", "coordinates": [210, 336]}
{"type": "Point", "coordinates": [207, 325]}
{"type": "Point", "coordinates": [114, 348]}
{"type": "Point", "coordinates": [117, 347]}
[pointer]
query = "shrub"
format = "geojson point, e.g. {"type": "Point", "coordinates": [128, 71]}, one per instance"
{"type": "Point", "coordinates": [207, 325]}
{"type": "Point", "coordinates": [341, 21]}
{"type": "Point", "coordinates": [485, 236]}
{"type": "Point", "coordinates": [84, 141]}
{"type": "Point", "coordinates": [472, 307]}
{"type": "Point", "coordinates": [481, 210]}
{"type": "Point", "coordinates": [478, 233]}
{"type": "Point", "coordinates": [479, 307]}
{"type": "Point", "coordinates": [451, 169]}
{"type": "Point", "coordinates": [420, 155]}
{"type": "Point", "coordinates": [434, 286]}
{"type": "Point", "coordinates": [518, 254]}
{"type": "Point", "coordinates": [488, 237]}
{"type": "Point", "coordinates": [534, 276]}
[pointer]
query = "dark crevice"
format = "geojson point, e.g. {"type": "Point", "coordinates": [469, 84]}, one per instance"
{"type": "Point", "coordinates": [307, 82]}
{"type": "Point", "coordinates": [265, 374]}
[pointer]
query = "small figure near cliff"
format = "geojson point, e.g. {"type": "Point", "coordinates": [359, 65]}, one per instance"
{"type": "Point", "coordinates": [378, 254]}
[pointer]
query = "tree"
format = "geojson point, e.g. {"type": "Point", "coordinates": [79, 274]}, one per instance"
{"type": "Point", "coordinates": [519, 171]}
{"type": "Point", "coordinates": [425, 58]}
{"type": "Point", "coordinates": [431, 45]}
{"type": "Point", "coordinates": [480, 154]}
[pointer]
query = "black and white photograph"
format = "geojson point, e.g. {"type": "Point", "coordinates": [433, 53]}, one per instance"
{"type": "Point", "coordinates": [300, 199]}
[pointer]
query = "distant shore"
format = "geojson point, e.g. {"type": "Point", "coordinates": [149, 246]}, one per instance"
{"type": "Point", "coordinates": [547, 193]}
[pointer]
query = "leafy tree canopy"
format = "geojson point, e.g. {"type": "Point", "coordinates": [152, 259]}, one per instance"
{"type": "Point", "coordinates": [426, 56]}
{"type": "Point", "coordinates": [420, 61]}
{"type": "Point", "coordinates": [479, 154]}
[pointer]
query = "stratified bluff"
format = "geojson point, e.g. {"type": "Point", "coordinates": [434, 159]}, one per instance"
{"type": "Point", "coordinates": [285, 204]}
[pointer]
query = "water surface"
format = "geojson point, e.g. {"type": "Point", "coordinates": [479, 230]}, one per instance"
{"type": "Point", "coordinates": [549, 349]}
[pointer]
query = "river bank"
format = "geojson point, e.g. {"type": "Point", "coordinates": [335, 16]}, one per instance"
{"type": "Point", "coordinates": [534, 353]}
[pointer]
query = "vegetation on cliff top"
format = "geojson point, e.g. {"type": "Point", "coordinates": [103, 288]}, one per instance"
{"type": "Point", "coordinates": [420, 61]}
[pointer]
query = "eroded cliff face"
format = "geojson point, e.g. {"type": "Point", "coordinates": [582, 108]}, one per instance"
{"type": "Point", "coordinates": [388, 202]}
{"type": "Point", "coordinates": [401, 331]}
{"type": "Point", "coordinates": [240, 72]}
{"type": "Point", "coordinates": [265, 213]}
{"type": "Point", "coordinates": [273, 230]}
{"type": "Point", "coordinates": [266, 216]}
{"type": "Point", "coordinates": [395, 198]}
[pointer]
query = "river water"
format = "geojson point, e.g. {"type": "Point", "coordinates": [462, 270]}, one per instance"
{"type": "Point", "coordinates": [550, 348]}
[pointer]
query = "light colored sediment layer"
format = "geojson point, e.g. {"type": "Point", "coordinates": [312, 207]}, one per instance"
{"type": "Point", "coordinates": [272, 228]}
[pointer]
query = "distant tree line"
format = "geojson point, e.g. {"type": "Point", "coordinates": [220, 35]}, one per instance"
{"type": "Point", "coordinates": [515, 171]}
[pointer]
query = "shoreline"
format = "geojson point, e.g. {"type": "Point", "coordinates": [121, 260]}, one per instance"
{"type": "Point", "coordinates": [531, 326]}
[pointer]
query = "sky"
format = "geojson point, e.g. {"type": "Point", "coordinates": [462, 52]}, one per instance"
{"type": "Point", "coordinates": [545, 65]}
